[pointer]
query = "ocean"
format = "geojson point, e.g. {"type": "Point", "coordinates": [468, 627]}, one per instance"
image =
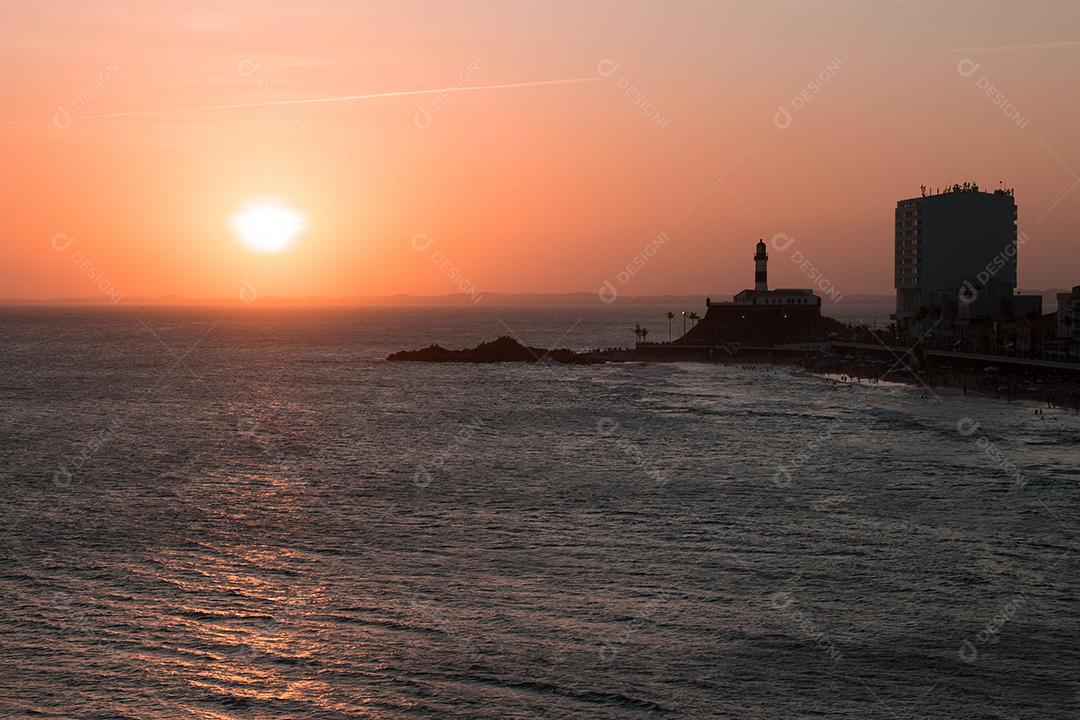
{"type": "Point", "coordinates": [248, 513]}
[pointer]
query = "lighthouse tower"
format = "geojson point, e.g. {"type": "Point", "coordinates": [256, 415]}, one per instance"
{"type": "Point", "coordinates": [761, 268]}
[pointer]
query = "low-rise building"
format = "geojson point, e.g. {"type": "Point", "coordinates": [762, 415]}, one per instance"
{"type": "Point", "coordinates": [1068, 314]}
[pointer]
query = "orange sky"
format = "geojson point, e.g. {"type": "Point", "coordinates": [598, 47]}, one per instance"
{"type": "Point", "coordinates": [546, 188]}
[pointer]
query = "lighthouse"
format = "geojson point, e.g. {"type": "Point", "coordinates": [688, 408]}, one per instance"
{"type": "Point", "coordinates": [761, 268]}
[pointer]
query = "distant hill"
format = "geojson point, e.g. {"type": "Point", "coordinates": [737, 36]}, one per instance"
{"type": "Point", "coordinates": [451, 300]}
{"type": "Point", "coordinates": [678, 303]}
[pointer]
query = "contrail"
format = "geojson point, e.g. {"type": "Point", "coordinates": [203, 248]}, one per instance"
{"type": "Point", "coordinates": [1026, 46]}
{"type": "Point", "coordinates": [336, 99]}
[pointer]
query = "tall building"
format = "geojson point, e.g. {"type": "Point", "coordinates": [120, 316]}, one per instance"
{"type": "Point", "coordinates": [951, 248]}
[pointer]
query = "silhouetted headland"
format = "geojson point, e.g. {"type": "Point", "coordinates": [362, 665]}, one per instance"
{"type": "Point", "coordinates": [504, 349]}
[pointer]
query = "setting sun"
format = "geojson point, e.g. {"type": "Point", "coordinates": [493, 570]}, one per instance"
{"type": "Point", "coordinates": [267, 227]}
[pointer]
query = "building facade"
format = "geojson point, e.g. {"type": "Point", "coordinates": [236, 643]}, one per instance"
{"type": "Point", "coordinates": [950, 245]}
{"type": "Point", "coordinates": [1068, 314]}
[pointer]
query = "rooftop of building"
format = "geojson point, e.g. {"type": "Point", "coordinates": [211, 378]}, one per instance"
{"type": "Point", "coordinates": [778, 291]}
{"type": "Point", "coordinates": [969, 188]}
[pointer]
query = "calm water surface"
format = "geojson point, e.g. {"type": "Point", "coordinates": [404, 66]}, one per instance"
{"type": "Point", "coordinates": [228, 514]}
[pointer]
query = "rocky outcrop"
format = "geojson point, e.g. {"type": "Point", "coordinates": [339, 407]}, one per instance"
{"type": "Point", "coordinates": [505, 349]}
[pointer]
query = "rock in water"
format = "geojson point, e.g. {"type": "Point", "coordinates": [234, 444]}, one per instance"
{"type": "Point", "coordinates": [505, 349]}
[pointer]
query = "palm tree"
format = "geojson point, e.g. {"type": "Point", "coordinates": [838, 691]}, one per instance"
{"type": "Point", "coordinates": [670, 316]}
{"type": "Point", "coordinates": [694, 317]}
{"type": "Point", "coordinates": [637, 332]}
{"type": "Point", "coordinates": [644, 334]}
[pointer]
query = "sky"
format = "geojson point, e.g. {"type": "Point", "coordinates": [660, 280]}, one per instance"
{"type": "Point", "coordinates": [640, 145]}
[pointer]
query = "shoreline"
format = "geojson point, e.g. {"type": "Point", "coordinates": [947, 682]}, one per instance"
{"type": "Point", "coordinates": [956, 382]}
{"type": "Point", "coordinates": [857, 365]}
{"type": "Point", "coordinates": [934, 381]}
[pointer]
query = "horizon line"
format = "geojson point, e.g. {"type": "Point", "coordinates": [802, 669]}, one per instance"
{"type": "Point", "coordinates": [363, 299]}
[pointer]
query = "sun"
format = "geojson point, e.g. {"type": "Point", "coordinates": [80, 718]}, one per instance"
{"type": "Point", "coordinates": [268, 227]}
